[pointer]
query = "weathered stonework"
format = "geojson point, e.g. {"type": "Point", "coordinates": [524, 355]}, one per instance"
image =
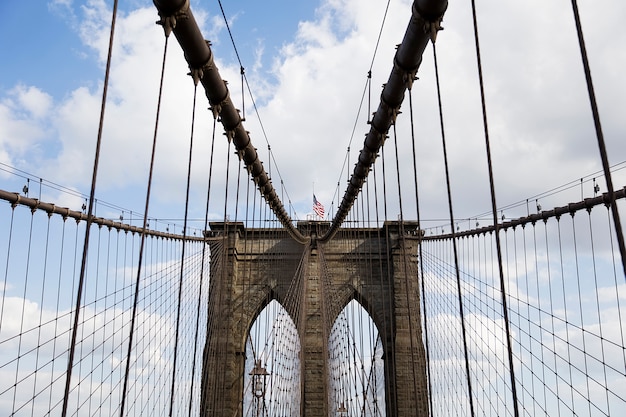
{"type": "Point", "coordinates": [377, 267]}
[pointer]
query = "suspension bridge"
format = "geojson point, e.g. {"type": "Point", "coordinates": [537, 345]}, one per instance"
{"type": "Point", "coordinates": [360, 309]}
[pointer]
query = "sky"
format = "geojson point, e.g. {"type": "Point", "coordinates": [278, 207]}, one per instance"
{"type": "Point", "coordinates": [306, 64]}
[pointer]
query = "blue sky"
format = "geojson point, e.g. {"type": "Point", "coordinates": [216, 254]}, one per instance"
{"type": "Point", "coordinates": [45, 32]}
{"type": "Point", "coordinates": [306, 64]}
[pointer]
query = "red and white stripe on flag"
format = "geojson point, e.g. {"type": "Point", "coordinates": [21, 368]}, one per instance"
{"type": "Point", "coordinates": [318, 208]}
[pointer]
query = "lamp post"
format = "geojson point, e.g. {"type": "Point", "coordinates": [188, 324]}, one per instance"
{"type": "Point", "coordinates": [259, 382]}
{"type": "Point", "coordinates": [342, 411]}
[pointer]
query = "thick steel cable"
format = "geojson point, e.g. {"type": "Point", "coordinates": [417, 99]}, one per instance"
{"type": "Point", "coordinates": [178, 17]}
{"type": "Point", "coordinates": [245, 79]}
{"type": "Point", "coordinates": [454, 240]}
{"type": "Point", "coordinates": [366, 90]}
{"type": "Point", "coordinates": [83, 268]}
{"type": "Point", "coordinates": [17, 199]}
{"type": "Point", "coordinates": [143, 235]}
{"type": "Point", "coordinates": [494, 209]}
{"type": "Point", "coordinates": [553, 191]}
{"type": "Point", "coordinates": [423, 26]}
{"type": "Point", "coordinates": [600, 136]}
{"type": "Point", "coordinates": [586, 204]}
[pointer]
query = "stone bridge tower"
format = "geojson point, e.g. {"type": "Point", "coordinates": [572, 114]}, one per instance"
{"type": "Point", "coordinates": [377, 267]}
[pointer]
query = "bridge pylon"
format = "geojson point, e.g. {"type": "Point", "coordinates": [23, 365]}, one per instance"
{"type": "Point", "coordinates": [314, 282]}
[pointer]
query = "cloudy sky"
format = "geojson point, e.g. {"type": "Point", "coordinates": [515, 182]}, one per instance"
{"type": "Point", "coordinates": [306, 64]}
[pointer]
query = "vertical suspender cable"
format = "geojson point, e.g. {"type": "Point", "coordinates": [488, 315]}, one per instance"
{"type": "Point", "coordinates": [390, 371]}
{"type": "Point", "coordinates": [243, 97]}
{"type": "Point", "coordinates": [405, 265]}
{"type": "Point", "coordinates": [204, 248]}
{"type": "Point", "coordinates": [494, 210]}
{"type": "Point", "coordinates": [421, 253]}
{"type": "Point", "coordinates": [23, 309]}
{"type": "Point", "coordinates": [369, 96]}
{"type": "Point", "coordinates": [454, 245]}
{"type": "Point", "coordinates": [8, 260]}
{"type": "Point", "coordinates": [143, 235]}
{"type": "Point", "coordinates": [182, 256]}
{"type": "Point", "coordinates": [224, 295]}
{"type": "Point", "coordinates": [70, 361]}
{"type": "Point", "coordinates": [601, 144]}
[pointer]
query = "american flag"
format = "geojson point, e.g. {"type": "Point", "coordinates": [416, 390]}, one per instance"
{"type": "Point", "coordinates": [318, 208]}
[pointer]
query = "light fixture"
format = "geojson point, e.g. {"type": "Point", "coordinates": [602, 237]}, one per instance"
{"type": "Point", "coordinates": [259, 379]}
{"type": "Point", "coordinates": [342, 410]}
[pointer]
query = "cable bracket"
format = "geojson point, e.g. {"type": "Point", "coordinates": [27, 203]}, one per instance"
{"type": "Point", "coordinates": [169, 22]}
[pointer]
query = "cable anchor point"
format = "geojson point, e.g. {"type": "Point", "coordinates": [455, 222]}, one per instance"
{"type": "Point", "coordinates": [430, 18]}
{"type": "Point", "coordinates": [196, 74]}
{"type": "Point", "coordinates": [169, 22]}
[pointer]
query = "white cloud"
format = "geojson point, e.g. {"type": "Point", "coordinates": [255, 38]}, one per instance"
{"type": "Point", "coordinates": [33, 100]}
{"type": "Point", "coordinates": [539, 119]}
{"type": "Point", "coordinates": [540, 125]}
{"type": "Point", "coordinates": [23, 126]}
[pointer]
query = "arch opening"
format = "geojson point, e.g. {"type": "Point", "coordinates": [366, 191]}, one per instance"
{"type": "Point", "coordinates": [272, 366]}
{"type": "Point", "coordinates": [356, 368]}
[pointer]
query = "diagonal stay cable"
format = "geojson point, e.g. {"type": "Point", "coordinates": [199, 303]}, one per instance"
{"type": "Point", "coordinates": [200, 59]}
{"type": "Point", "coordinates": [461, 307]}
{"type": "Point", "coordinates": [367, 89]}
{"type": "Point", "coordinates": [245, 78]}
{"type": "Point", "coordinates": [83, 267]}
{"type": "Point", "coordinates": [494, 208]}
{"type": "Point", "coordinates": [600, 137]}
{"type": "Point", "coordinates": [143, 233]}
{"type": "Point", "coordinates": [423, 26]}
